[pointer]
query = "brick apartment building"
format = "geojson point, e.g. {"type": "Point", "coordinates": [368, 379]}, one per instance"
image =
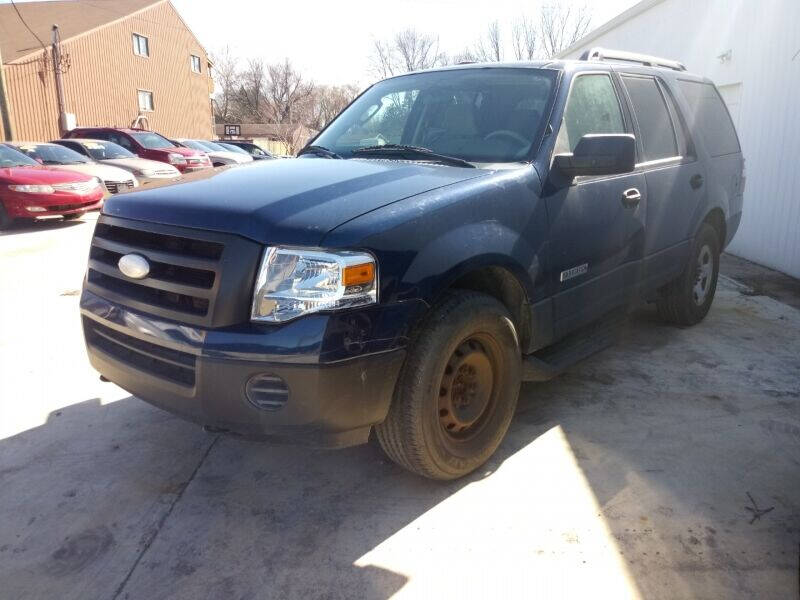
{"type": "Point", "coordinates": [120, 60]}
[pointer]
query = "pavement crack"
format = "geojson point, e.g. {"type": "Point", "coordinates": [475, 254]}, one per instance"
{"type": "Point", "coordinates": [163, 520]}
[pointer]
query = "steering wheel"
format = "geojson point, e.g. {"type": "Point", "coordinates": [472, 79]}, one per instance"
{"type": "Point", "coordinates": [507, 133]}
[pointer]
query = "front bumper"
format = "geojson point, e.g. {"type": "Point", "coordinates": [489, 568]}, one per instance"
{"type": "Point", "coordinates": [61, 203]}
{"type": "Point", "coordinates": [333, 399]}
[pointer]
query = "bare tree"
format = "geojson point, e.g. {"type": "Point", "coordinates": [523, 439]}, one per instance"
{"type": "Point", "coordinates": [523, 37]}
{"type": "Point", "coordinates": [225, 74]}
{"type": "Point", "coordinates": [561, 25]}
{"type": "Point", "coordinates": [326, 102]}
{"type": "Point", "coordinates": [489, 47]}
{"type": "Point", "coordinates": [286, 89]}
{"type": "Point", "coordinates": [408, 50]}
{"type": "Point", "coordinates": [293, 136]}
{"type": "Point", "coordinates": [251, 89]}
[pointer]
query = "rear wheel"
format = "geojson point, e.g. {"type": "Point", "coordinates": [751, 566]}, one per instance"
{"type": "Point", "coordinates": [687, 300]}
{"type": "Point", "coordinates": [457, 391]}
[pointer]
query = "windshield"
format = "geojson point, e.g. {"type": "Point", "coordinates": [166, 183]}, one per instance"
{"type": "Point", "coordinates": [53, 154]}
{"type": "Point", "coordinates": [480, 115]}
{"type": "Point", "coordinates": [194, 145]}
{"type": "Point", "coordinates": [11, 158]}
{"type": "Point", "coordinates": [232, 148]}
{"type": "Point", "coordinates": [105, 150]}
{"type": "Point", "coordinates": [151, 140]}
{"type": "Point", "coordinates": [211, 146]}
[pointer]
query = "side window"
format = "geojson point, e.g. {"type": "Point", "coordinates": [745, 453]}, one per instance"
{"type": "Point", "coordinates": [592, 107]}
{"type": "Point", "coordinates": [655, 124]}
{"type": "Point", "coordinates": [711, 117]}
{"type": "Point", "coordinates": [77, 147]}
{"type": "Point", "coordinates": [121, 140]}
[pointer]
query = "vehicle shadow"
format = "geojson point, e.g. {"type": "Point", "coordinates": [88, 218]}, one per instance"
{"type": "Point", "coordinates": [123, 500]}
{"type": "Point", "coordinates": [31, 226]}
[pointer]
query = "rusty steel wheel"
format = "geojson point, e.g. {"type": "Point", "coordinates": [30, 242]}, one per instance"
{"type": "Point", "coordinates": [458, 388]}
{"type": "Point", "coordinates": [467, 391]}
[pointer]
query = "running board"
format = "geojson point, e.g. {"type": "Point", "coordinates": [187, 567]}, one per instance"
{"type": "Point", "coordinates": [550, 362]}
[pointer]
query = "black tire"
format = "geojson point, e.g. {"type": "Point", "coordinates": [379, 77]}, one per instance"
{"type": "Point", "coordinates": [682, 302]}
{"type": "Point", "coordinates": [457, 390]}
{"type": "Point", "coordinates": [73, 216]}
{"type": "Point", "coordinates": [5, 220]}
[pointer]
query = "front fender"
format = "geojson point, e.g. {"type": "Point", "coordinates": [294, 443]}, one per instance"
{"type": "Point", "coordinates": [449, 257]}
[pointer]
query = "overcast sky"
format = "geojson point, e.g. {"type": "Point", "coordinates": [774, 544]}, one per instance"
{"type": "Point", "coordinates": [331, 40]}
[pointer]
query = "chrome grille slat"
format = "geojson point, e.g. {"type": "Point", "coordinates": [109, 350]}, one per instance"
{"type": "Point", "coordinates": [189, 268]}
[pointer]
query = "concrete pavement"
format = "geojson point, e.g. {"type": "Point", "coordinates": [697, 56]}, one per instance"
{"type": "Point", "coordinates": [665, 467]}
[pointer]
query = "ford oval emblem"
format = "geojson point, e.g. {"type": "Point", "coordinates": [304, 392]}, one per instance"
{"type": "Point", "coordinates": [134, 266]}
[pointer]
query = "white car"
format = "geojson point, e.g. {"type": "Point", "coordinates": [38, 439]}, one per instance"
{"type": "Point", "coordinates": [109, 153]}
{"type": "Point", "coordinates": [219, 156]}
{"type": "Point", "coordinates": [58, 157]}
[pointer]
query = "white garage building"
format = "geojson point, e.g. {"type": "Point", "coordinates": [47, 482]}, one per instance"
{"type": "Point", "coordinates": [751, 50]}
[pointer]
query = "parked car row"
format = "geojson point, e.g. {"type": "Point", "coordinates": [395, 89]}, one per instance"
{"type": "Point", "coordinates": [70, 176]}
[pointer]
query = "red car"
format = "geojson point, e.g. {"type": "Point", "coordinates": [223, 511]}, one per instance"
{"type": "Point", "coordinates": [29, 190]}
{"type": "Point", "coordinates": [147, 144]}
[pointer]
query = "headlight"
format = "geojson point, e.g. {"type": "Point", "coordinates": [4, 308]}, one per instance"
{"type": "Point", "coordinates": [294, 282]}
{"type": "Point", "coordinates": [95, 182]}
{"type": "Point", "coordinates": [176, 159]}
{"type": "Point", "coordinates": [32, 189]}
{"type": "Point", "coordinates": [145, 173]}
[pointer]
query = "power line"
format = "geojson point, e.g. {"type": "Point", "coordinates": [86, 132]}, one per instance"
{"type": "Point", "coordinates": [28, 26]}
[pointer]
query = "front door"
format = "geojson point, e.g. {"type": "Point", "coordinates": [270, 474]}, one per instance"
{"type": "Point", "coordinates": [596, 223]}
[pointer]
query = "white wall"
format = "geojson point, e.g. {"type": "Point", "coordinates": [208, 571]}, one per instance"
{"type": "Point", "coordinates": [760, 82]}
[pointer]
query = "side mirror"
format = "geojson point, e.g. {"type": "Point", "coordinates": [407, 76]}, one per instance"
{"type": "Point", "coordinates": [599, 154]}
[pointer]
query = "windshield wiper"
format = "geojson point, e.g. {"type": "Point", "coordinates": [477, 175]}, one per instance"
{"type": "Point", "coordinates": [319, 151]}
{"type": "Point", "coordinates": [412, 152]}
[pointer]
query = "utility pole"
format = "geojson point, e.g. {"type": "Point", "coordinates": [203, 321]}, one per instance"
{"type": "Point", "coordinates": [5, 109]}
{"type": "Point", "coordinates": [59, 84]}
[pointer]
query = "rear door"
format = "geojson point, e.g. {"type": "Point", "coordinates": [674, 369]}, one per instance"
{"type": "Point", "coordinates": [674, 177]}
{"type": "Point", "coordinates": [596, 237]}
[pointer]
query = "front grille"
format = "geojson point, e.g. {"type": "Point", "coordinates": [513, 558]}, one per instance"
{"type": "Point", "coordinates": [81, 187]}
{"type": "Point", "coordinates": [166, 363]}
{"type": "Point", "coordinates": [60, 207]}
{"type": "Point", "coordinates": [115, 187]}
{"type": "Point", "coordinates": [186, 271]}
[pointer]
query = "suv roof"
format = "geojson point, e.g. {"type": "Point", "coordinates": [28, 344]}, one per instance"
{"type": "Point", "coordinates": [103, 127]}
{"type": "Point", "coordinates": [597, 58]}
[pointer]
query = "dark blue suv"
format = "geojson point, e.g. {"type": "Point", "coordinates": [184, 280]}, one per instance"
{"type": "Point", "coordinates": [451, 233]}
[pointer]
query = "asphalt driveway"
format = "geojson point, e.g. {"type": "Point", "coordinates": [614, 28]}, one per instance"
{"type": "Point", "coordinates": [665, 467]}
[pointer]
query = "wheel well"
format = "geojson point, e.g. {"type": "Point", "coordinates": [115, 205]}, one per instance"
{"type": "Point", "coordinates": [717, 220]}
{"type": "Point", "coordinates": [501, 284]}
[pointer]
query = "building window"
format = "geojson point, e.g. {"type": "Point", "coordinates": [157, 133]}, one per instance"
{"type": "Point", "coordinates": [145, 101]}
{"type": "Point", "coordinates": [141, 47]}
{"type": "Point", "coordinates": [195, 63]}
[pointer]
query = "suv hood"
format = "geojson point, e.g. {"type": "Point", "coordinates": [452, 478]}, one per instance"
{"type": "Point", "coordinates": [292, 202]}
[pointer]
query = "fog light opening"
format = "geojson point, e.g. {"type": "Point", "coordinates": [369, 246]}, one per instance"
{"type": "Point", "coordinates": [267, 392]}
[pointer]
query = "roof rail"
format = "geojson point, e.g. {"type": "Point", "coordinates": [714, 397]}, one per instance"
{"type": "Point", "coordinates": [645, 59]}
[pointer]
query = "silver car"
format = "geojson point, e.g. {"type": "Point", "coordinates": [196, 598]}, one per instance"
{"type": "Point", "coordinates": [109, 153]}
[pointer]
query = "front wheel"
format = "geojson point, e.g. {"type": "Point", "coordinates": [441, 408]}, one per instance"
{"type": "Point", "coordinates": [5, 220]}
{"type": "Point", "coordinates": [686, 300]}
{"type": "Point", "coordinates": [457, 390]}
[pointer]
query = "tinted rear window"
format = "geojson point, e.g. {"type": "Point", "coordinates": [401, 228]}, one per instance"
{"type": "Point", "coordinates": [711, 117]}
{"type": "Point", "coordinates": [655, 124]}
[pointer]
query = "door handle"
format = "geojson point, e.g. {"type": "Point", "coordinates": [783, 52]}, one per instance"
{"type": "Point", "coordinates": [631, 198]}
{"type": "Point", "coordinates": [696, 181]}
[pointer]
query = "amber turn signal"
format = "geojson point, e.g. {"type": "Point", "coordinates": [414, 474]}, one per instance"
{"type": "Point", "coordinates": [359, 274]}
